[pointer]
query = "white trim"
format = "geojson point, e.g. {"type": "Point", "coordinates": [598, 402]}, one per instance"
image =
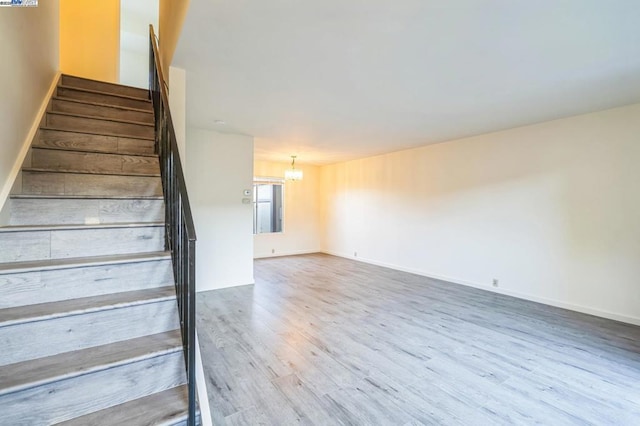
{"type": "Point", "coordinates": [482, 286]}
{"type": "Point", "coordinates": [17, 165]}
{"type": "Point", "coordinates": [287, 253]}
{"type": "Point", "coordinates": [268, 180]}
{"type": "Point", "coordinates": [221, 286]}
{"type": "Point", "coordinates": [201, 386]}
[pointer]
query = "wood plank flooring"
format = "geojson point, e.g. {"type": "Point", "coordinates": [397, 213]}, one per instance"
{"type": "Point", "coordinates": [329, 341]}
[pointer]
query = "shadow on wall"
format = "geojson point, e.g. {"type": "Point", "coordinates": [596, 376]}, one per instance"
{"type": "Point", "coordinates": [548, 209]}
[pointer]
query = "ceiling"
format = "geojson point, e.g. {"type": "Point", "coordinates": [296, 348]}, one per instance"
{"type": "Point", "coordinates": [333, 80]}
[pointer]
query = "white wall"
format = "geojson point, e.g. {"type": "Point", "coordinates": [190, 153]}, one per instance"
{"type": "Point", "coordinates": [132, 65]}
{"type": "Point", "coordinates": [135, 17]}
{"type": "Point", "coordinates": [28, 65]}
{"type": "Point", "coordinates": [178, 107]}
{"type": "Point", "coordinates": [301, 212]}
{"type": "Point", "coordinates": [551, 210]}
{"type": "Point", "coordinates": [219, 169]}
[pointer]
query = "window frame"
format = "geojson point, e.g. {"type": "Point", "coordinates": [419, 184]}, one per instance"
{"type": "Point", "coordinates": [268, 180]}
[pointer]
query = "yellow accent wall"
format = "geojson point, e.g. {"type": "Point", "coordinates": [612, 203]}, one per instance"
{"type": "Point", "coordinates": [90, 39]}
{"type": "Point", "coordinates": [171, 19]}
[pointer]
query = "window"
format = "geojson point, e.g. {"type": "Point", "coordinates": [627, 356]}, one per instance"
{"type": "Point", "coordinates": [267, 205]}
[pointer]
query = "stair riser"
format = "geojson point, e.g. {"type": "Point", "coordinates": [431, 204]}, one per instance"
{"type": "Point", "coordinates": [60, 244]}
{"type": "Point", "coordinates": [79, 211]}
{"type": "Point", "coordinates": [93, 162]}
{"type": "Point", "coordinates": [78, 396]}
{"type": "Point", "coordinates": [99, 86]}
{"type": "Point", "coordinates": [35, 287]}
{"type": "Point", "coordinates": [101, 98]}
{"type": "Point", "coordinates": [168, 408]}
{"type": "Point", "coordinates": [61, 105]}
{"type": "Point", "coordinates": [90, 142]}
{"type": "Point", "coordinates": [96, 125]}
{"type": "Point", "coordinates": [82, 184]}
{"type": "Point", "coordinates": [22, 342]}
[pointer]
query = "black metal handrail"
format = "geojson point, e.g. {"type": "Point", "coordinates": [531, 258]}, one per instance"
{"type": "Point", "coordinates": [180, 234]}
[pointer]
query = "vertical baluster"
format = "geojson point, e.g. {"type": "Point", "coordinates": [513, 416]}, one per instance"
{"type": "Point", "coordinates": [190, 285]}
{"type": "Point", "coordinates": [180, 263]}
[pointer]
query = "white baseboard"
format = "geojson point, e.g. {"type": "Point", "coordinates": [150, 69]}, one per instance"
{"type": "Point", "coordinates": [26, 144]}
{"type": "Point", "coordinates": [286, 253]}
{"type": "Point", "coordinates": [221, 286]}
{"type": "Point", "coordinates": [482, 286]}
{"type": "Point", "coordinates": [201, 384]}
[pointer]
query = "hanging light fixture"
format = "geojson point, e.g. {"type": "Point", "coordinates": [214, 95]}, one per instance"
{"type": "Point", "coordinates": [293, 173]}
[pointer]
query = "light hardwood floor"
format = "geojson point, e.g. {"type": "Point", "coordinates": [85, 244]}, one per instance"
{"type": "Point", "coordinates": [324, 340]}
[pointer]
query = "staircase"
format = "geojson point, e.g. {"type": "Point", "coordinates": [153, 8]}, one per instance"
{"type": "Point", "coordinates": [89, 325]}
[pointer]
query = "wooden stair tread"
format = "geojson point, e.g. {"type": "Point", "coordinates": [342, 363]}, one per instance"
{"type": "Point", "coordinates": [88, 172]}
{"type": "Point", "coordinates": [79, 262]}
{"type": "Point", "coordinates": [95, 162]}
{"type": "Point", "coordinates": [163, 408]}
{"type": "Point", "coordinates": [107, 83]}
{"type": "Point", "coordinates": [71, 307]}
{"type": "Point", "coordinates": [62, 183]}
{"type": "Point", "coordinates": [87, 132]}
{"type": "Point", "coordinates": [34, 228]}
{"type": "Point", "coordinates": [90, 151]}
{"type": "Point", "coordinates": [28, 374]}
{"type": "Point", "coordinates": [99, 92]}
{"type": "Point", "coordinates": [101, 104]}
{"type": "Point", "coordinates": [86, 197]}
{"type": "Point", "coordinates": [96, 117]}
{"type": "Point", "coordinates": [115, 154]}
{"type": "Point", "coordinates": [100, 124]}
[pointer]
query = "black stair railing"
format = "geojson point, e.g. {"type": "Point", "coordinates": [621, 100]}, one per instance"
{"type": "Point", "coordinates": [180, 235]}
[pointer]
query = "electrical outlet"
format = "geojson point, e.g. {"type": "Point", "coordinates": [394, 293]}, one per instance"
{"type": "Point", "coordinates": [495, 282]}
{"type": "Point", "coordinates": [273, 251]}
{"type": "Point", "coordinates": [355, 254]}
